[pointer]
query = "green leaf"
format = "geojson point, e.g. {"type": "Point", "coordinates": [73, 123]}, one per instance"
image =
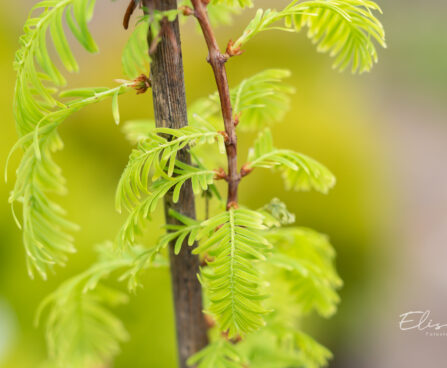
{"type": "Point", "coordinates": [38, 114]}
{"type": "Point", "coordinates": [346, 29]}
{"type": "Point", "coordinates": [158, 153]}
{"type": "Point", "coordinates": [115, 107]}
{"type": "Point", "coordinates": [135, 58]}
{"type": "Point", "coordinates": [262, 99]}
{"type": "Point", "coordinates": [138, 130]}
{"type": "Point", "coordinates": [46, 232]}
{"type": "Point", "coordinates": [299, 171]}
{"type": "Point", "coordinates": [231, 280]}
{"type": "Point", "coordinates": [306, 258]}
{"type": "Point", "coordinates": [276, 214]}
{"type": "Point", "coordinates": [141, 210]}
{"type": "Point", "coordinates": [219, 354]}
{"type": "Point", "coordinates": [80, 330]}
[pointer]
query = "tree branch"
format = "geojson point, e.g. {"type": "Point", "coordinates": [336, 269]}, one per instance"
{"type": "Point", "coordinates": [217, 61]}
{"type": "Point", "coordinates": [169, 100]}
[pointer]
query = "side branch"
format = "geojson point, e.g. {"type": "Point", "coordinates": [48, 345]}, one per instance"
{"type": "Point", "coordinates": [217, 61]}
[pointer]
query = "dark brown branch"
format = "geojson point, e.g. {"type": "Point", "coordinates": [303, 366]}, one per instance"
{"type": "Point", "coordinates": [217, 61]}
{"type": "Point", "coordinates": [129, 11]}
{"type": "Point", "coordinates": [170, 111]}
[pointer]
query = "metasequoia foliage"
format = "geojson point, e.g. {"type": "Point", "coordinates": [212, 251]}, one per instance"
{"type": "Point", "coordinates": [260, 273]}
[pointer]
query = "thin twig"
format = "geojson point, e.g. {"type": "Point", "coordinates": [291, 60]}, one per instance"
{"type": "Point", "coordinates": [217, 61]}
{"type": "Point", "coordinates": [130, 9]}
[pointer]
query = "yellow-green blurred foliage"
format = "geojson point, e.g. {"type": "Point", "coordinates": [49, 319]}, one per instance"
{"type": "Point", "coordinates": [334, 118]}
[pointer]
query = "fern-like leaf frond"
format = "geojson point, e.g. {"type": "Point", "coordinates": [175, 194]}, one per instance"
{"type": "Point", "coordinates": [138, 130]}
{"type": "Point", "coordinates": [347, 29]}
{"type": "Point", "coordinates": [307, 259]}
{"type": "Point", "coordinates": [300, 172]}
{"type": "Point", "coordinates": [261, 99]}
{"type": "Point", "coordinates": [218, 354]}
{"type": "Point", "coordinates": [45, 229]}
{"type": "Point", "coordinates": [80, 330]}
{"type": "Point", "coordinates": [276, 214]}
{"type": "Point", "coordinates": [159, 153]}
{"type": "Point", "coordinates": [282, 346]}
{"type": "Point", "coordinates": [231, 280]}
{"type": "Point", "coordinates": [139, 213]}
{"type": "Point", "coordinates": [33, 64]}
{"type": "Point", "coordinates": [135, 57]}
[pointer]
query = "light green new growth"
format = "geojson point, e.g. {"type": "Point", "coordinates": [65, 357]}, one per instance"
{"type": "Point", "coordinates": [80, 330]}
{"type": "Point", "coordinates": [260, 273]}
{"type": "Point", "coordinates": [218, 354]}
{"type": "Point", "coordinates": [232, 280]}
{"type": "Point", "coordinates": [346, 29]}
{"type": "Point", "coordinates": [299, 171]}
{"type": "Point", "coordinates": [38, 113]}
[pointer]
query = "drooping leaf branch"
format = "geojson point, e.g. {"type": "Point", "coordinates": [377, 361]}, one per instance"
{"type": "Point", "coordinates": [80, 329]}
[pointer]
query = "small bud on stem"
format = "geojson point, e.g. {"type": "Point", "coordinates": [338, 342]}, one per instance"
{"type": "Point", "coordinates": [245, 170]}
{"type": "Point", "coordinates": [141, 84]}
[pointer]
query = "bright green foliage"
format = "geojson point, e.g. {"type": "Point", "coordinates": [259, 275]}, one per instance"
{"type": "Point", "coordinates": [306, 259]}
{"type": "Point", "coordinates": [219, 354]}
{"type": "Point", "coordinates": [159, 153]}
{"type": "Point", "coordinates": [346, 29]}
{"type": "Point", "coordinates": [261, 99]}
{"type": "Point", "coordinates": [278, 346]}
{"type": "Point", "coordinates": [179, 233]}
{"type": "Point", "coordinates": [32, 98]}
{"type": "Point", "coordinates": [135, 58]}
{"type": "Point", "coordinates": [45, 230]}
{"type": "Point", "coordinates": [276, 214]}
{"type": "Point", "coordinates": [232, 280]}
{"type": "Point", "coordinates": [80, 330]}
{"type": "Point", "coordinates": [299, 171]}
{"type": "Point", "coordinates": [140, 212]}
{"type": "Point", "coordinates": [38, 114]}
{"type": "Point", "coordinates": [261, 275]}
{"type": "Point", "coordinates": [138, 130]}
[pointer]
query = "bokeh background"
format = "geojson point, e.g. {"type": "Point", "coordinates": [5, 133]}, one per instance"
{"type": "Point", "coordinates": [383, 134]}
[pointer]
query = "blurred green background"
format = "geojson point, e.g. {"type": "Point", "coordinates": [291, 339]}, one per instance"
{"type": "Point", "coordinates": [382, 134]}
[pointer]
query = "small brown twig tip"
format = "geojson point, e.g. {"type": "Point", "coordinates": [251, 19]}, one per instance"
{"type": "Point", "coordinates": [221, 174]}
{"type": "Point", "coordinates": [232, 50]}
{"type": "Point", "coordinates": [232, 205]}
{"type": "Point", "coordinates": [225, 135]}
{"type": "Point", "coordinates": [186, 10]}
{"type": "Point", "coordinates": [236, 119]}
{"type": "Point", "coordinates": [245, 170]}
{"type": "Point", "coordinates": [141, 84]}
{"type": "Point", "coordinates": [129, 11]}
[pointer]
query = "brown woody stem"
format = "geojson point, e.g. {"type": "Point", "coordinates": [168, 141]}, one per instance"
{"type": "Point", "coordinates": [217, 61]}
{"type": "Point", "coordinates": [169, 101]}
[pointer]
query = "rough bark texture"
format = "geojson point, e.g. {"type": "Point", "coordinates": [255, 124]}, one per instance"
{"type": "Point", "coordinates": [170, 111]}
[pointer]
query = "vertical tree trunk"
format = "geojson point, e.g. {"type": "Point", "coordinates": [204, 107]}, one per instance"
{"type": "Point", "coordinates": [170, 111]}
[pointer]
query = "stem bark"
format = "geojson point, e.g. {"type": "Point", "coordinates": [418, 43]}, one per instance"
{"type": "Point", "coordinates": [169, 101]}
{"type": "Point", "coordinates": [217, 61]}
